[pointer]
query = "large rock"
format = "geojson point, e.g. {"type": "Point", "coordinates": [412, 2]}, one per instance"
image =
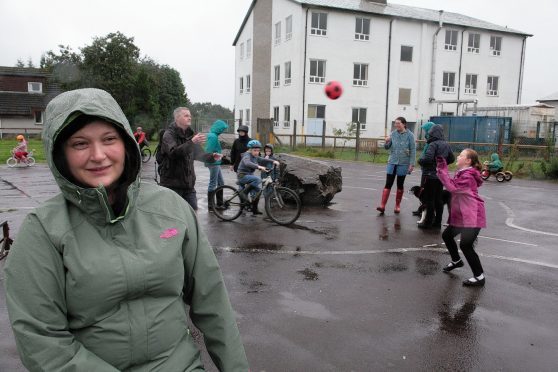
{"type": "Point", "coordinates": [316, 182]}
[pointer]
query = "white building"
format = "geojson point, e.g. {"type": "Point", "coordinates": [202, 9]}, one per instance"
{"type": "Point", "coordinates": [392, 60]}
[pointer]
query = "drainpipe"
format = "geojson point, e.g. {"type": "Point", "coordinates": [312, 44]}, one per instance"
{"type": "Point", "coordinates": [459, 76]}
{"type": "Point", "coordinates": [387, 85]}
{"type": "Point", "coordinates": [304, 69]}
{"type": "Point", "coordinates": [434, 48]}
{"type": "Point", "coordinates": [522, 61]}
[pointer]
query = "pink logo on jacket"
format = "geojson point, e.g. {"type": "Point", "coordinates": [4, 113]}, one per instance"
{"type": "Point", "coordinates": [168, 233]}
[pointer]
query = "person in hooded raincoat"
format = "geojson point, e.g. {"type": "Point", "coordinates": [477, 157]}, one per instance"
{"type": "Point", "coordinates": [436, 147]}
{"type": "Point", "coordinates": [495, 165]}
{"type": "Point", "coordinates": [99, 276]}
{"type": "Point", "coordinates": [215, 174]}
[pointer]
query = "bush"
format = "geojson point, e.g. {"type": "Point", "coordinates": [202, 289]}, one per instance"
{"type": "Point", "coordinates": [550, 169]}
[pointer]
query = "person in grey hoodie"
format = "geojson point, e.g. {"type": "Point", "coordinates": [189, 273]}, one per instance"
{"type": "Point", "coordinates": [99, 276]}
{"type": "Point", "coordinates": [437, 147]}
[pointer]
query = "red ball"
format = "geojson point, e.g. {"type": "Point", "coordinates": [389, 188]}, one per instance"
{"type": "Point", "coordinates": [333, 89]}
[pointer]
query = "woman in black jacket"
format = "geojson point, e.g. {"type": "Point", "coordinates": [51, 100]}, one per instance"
{"type": "Point", "coordinates": [239, 146]}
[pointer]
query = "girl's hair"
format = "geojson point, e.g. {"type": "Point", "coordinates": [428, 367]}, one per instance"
{"type": "Point", "coordinates": [474, 157]}
{"type": "Point", "coordinates": [402, 120]}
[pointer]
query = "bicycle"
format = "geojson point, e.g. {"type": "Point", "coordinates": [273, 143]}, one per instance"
{"type": "Point", "coordinates": [27, 160]}
{"type": "Point", "coordinates": [282, 205]}
{"type": "Point", "coordinates": [145, 154]}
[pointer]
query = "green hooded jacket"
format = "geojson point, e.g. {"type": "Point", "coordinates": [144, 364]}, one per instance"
{"type": "Point", "coordinates": [88, 291]}
{"type": "Point", "coordinates": [212, 144]}
{"type": "Point", "coordinates": [495, 164]}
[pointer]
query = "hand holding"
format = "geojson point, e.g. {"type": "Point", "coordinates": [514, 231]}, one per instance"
{"type": "Point", "coordinates": [198, 138]}
{"type": "Point", "coordinates": [262, 168]}
{"type": "Point", "coordinates": [441, 162]}
{"type": "Point", "coordinates": [217, 156]}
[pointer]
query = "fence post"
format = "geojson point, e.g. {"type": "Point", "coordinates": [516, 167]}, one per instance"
{"type": "Point", "coordinates": [323, 134]}
{"type": "Point", "coordinates": [294, 135]}
{"type": "Point", "coordinates": [357, 145]}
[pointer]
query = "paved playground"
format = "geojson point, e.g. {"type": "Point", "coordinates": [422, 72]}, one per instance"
{"type": "Point", "coordinates": [347, 290]}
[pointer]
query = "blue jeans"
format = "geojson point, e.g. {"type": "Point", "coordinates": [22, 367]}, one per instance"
{"type": "Point", "coordinates": [250, 179]}
{"type": "Point", "coordinates": [215, 177]}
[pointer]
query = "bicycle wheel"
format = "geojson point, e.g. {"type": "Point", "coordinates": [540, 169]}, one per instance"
{"type": "Point", "coordinates": [145, 155]}
{"type": "Point", "coordinates": [232, 204]}
{"type": "Point", "coordinates": [11, 162]}
{"type": "Point", "coordinates": [283, 205]}
{"type": "Point", "coordinates": [30, 161]}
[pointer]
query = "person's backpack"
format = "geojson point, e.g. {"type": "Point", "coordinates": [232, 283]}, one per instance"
{"type": "Point", "coordinates": [159, 156]}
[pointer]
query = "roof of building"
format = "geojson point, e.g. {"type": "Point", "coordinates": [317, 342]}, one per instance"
{"type": "Point", "coordinates": [552, 97]}
{"type": "Point", "coordinates": [398, 11]}
{"type": "Point", "coordinates": [522, 106]}
{"type": "Point", "coordinates": [23, 71]}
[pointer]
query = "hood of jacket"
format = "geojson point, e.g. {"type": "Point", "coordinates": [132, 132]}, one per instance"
{"type": "Point", "coordinates": [218, 127]}
{"type": "Point", "coordinates": [473, 173]}
{"type": "Point", "coordinates": [436, 133]}
{"type": "Point", "coordinates": [426, 128]}
{"type": "Point", "coordinates": [60, 113]}
{"type": "Point", "coordinates": [494, 157]}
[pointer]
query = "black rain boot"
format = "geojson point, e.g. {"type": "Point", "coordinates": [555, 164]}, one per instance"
{"type": "Point", "coordinates": [255, 202]}
{"type": "Point", "coordinates": [219, 199]}
{"type": "Point", "coordinates": [210, 196]}
{"type": "Point", "coordinates": [244, 194]}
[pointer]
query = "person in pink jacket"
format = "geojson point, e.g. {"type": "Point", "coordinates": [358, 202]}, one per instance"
{"type": "Point", "coordinates": [467, 216]}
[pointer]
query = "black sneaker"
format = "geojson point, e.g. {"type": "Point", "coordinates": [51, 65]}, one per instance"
{"type": "Point", "coordinates": [452, 265]}
{"type": "Point", "coordinates": [474, 282]}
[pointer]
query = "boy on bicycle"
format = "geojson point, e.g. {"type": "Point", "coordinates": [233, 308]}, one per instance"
{"type": "Point", "coordinates": [250, 162]}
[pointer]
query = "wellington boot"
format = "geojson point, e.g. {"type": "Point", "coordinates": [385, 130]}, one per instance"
{"type": "Point", "coordinates": [385, 197]}
{"type": "Point", "coordinates": [398, 198]}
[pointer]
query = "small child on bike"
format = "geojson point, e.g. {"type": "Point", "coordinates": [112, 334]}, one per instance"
{"type": "Point", "coordinates": [250, 162]}
{"type": "Point", "coordinates": [20, 151]}
{"type": "Point", "coordinates": [270, 169]}
{"type": "Point", "coordinates": [495, 165]}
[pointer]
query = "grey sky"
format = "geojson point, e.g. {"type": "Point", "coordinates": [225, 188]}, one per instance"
{"type": "Point", "coordinates": [195, 37]}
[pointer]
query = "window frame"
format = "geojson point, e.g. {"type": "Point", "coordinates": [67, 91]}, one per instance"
{"type": "Point", "coordinates": [286, 116]}
{"type": "Point", "coordinates": [451, 47]}
{"type": "Point", "coordinates": [277, 33]}
{"type": "Point", "coordinates": [358, 81]}
{"type": "Point", "coordinates": [30, 89]}
{"type": "Point", "coordinates": [41, 117]}
{"type": "Point", "coordinates": [362, 35]}
{"type": "Point", "coordinates": [490, 84]}
{"type": "Point", "coordinates": [275, 116]}
{"type": "Point", "coordinates": [469, 89]}
{"type": "Point", "coordinates": [241, 51]}
{"type": "Point", "coordinates": [248, 83]}
{"type": "Point", "coordinates": [316, 108]}
{"type": "Point", "coordinates": [289, 77]}
{"type": "Point", "coordinates": [317, 79]}
{"type": "Point", "coordinates": [497, 43]}
{"type": "Point", "coordinates": [475, 38]}
{"type": "Point", "coordinates": [276, 76]}
{"type": "Point", "coordinates": [318, 30]}
{"type": "Point", "coordinates": [399, 102]}
{"type": "Point", "coordinates": [288, 28]}
{"type": "Point", "coordinates": [247, 122]}
{"type": "Point", "coordinates": [448, 88]}
{"type": "Point", "coordinates": [359, 111]}
{"type": "Point", "coordinates": [248, 48]}
{"type": "Point", "coordinates": [241, 85]}
{"type": "Point", "coordinates": [401, 51]}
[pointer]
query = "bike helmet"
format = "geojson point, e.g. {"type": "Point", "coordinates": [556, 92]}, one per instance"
{"type": "Point", "coordinates": [254, 144]}
{"type": "Point", "coordinates": [20, 137]}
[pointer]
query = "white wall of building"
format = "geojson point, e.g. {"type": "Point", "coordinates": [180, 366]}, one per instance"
{"type": "Point", "coordinates": [243, 67]}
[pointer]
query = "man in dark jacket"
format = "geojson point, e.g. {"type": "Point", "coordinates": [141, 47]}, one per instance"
{"type": "Point", "coordinates": [239, 146]}
{"type": "Point", "coordinates": [180, 147]}
{"type": "Point", "coordinates": [437, 147]}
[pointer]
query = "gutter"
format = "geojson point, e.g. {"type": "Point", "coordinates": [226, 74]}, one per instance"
{"type": "Point", "coordinates": [459, 73]}
{"type": "Point", "coordinates": [388, 72]}
{"type": "Point", "coordinates": [434, 48]}
{"type": "Point", "coordinates": [522, 62]}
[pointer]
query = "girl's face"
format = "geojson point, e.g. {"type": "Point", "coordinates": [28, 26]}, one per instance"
{"type": "Point", "coordinates": [399, 126]}
{"type": "Point", "coordinates": [463, 160]}
{"type": "Point", "coordinates": [267, 152]}
{"type": "Point", "coordinates": [96, 154]}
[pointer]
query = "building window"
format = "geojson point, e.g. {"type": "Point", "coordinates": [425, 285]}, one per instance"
{"type": "Point", "coordinates": [277, 76]}
{"type": "Point", "coordinates": [470, 84]}
{"type": "Point", "coordinates": [241, 85]}
{"type": "Point", "coordinates": [288, 73]}
{"type": "Point", "coordinates": [316, 112]}
{"type": "Point", "coordinates": [474, 43]}
{"type": "Point", "coordinates": [404, 96]}
{"type": "Point", "coordinates": [240, 117]}
{"type": "Point", "coordinates": [288, 28]}
{"type": "Point", "coordinates": [286, 116]}
{"type": "Point", "coordinates": [359, 116]}
{"type": "Point", "coordinates": [448, 84]}
{"type": "Point", "coordinates": [362, 29]}
{"type": "Point", "coordinates": [319, 24]}
{"type": "Point", "coordinates": [451, 40]}
{"type": "Point", "coordinates": [278, 33]}
{"type": "Point", "coordinates": [248, 83]}
{"type": "Point", "coordinates": [406, 53]}
{"type": "Point", "coordinates": [38, 117]}
{"type": "Point", "coordinates": [248, 48]}
{"type": "Point", "coordinates": [495, 45]}
{"type": "Point", "coordinates": [317, 71]}
{"type": "Point", "coordinates": [34, 87]}
{"type": "Point", "coordinates": [276, 116]}
{"type": "Point", "coordinates": [242, 51]}
{"type": "Point", "coordinates": [360, 75]}
{"type": "Point", "coordinates": [247, 117]}
{"type": "Point", "coordinates": [492, 86]}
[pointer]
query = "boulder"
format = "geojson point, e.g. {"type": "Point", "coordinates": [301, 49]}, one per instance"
{"type": "Point", "coordinates": [316, 182]}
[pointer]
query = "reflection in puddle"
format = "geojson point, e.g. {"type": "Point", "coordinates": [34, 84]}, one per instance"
{"type": "Point", "coordinates": [301, 307]}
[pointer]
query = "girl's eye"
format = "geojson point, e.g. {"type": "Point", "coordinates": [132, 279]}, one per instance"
{"type": "Point", "coordinates": [111, 139]}
{"type": "Point", "coordinates": [79, 145]}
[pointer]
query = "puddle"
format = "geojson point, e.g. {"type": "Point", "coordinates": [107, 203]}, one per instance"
{"type": "Point", "coordinates": [426, 266]}
{"type": "Point", "coordinates": [329, 232]}
{"type": "Point", "coordinates": [308, 274]}
{"type": "Point", "coordinates": [261, 247]}
{"type": "Point", "coordinates": [397, 267]}
{"type": "Point", "coordinates": [308, 309]}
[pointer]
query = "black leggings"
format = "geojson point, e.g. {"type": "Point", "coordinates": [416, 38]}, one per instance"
{"type": "Point", "coordinates": [391, 177]}
{"type": "Point", "coordinates": [467, 245]}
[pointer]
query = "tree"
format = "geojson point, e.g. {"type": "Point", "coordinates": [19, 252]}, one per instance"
{"type": "Point", "coordinates": [30, 63]}
{"type": "Point", "coordinates": [20, 63]}
{"type": "Point", "coordinates": [64, 65]}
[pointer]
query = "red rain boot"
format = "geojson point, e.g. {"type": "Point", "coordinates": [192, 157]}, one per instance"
{"type": "Point", "coordinates": [398, 197]}
{"type": "Point", "coordinates": [385, 196]}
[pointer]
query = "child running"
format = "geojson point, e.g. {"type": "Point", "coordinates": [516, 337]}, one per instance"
{"type": "Point", "coordinates": [248, 164]}
{"type": "Point", "coordinates": [467, 215]}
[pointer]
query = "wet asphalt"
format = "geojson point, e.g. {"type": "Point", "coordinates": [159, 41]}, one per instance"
{"type": "Point", "coordinates": [345, 289]}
